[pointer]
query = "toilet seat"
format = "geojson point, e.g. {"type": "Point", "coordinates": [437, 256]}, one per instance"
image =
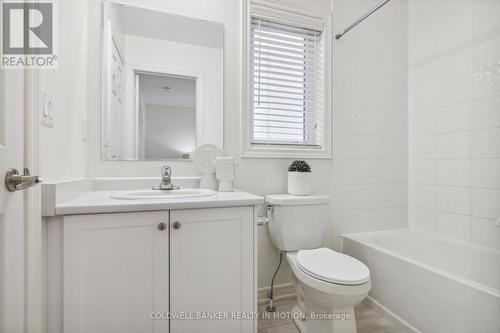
{"type": "Point", "coordinates": [324, 286]}
{"type": "Point", "coordinates": [333, 267]}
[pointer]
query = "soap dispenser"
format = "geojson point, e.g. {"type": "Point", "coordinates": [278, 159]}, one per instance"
{"type": "Point", "coordinates": [224, 170]}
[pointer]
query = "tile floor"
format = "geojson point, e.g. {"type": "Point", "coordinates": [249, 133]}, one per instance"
{"type": "Point", "coordinates": [367, 318]}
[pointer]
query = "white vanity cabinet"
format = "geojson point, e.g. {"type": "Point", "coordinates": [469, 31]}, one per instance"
{"type": "Point", "coordinates": [212, 267]}
{"type": "Point", "coordinates": [119, 269]}
{"type": "Point", "coordinates": [115, 272]}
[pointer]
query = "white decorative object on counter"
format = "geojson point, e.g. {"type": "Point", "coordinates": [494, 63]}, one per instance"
{"type": "Point", "coordinates": [224, 170]}
{"type": "Point", "coordinates": [204, 161]}
{"type": "Point", "coordinates": [299, 178]}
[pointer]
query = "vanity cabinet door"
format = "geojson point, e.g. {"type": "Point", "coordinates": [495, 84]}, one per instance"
{"type": "Point", "coordinates": [211, 268]}
{"type": "Point", "coordinates": [115, 272]}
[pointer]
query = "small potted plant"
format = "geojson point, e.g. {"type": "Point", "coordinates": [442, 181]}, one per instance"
{"type": "Point", "coordinates": [299, 178]}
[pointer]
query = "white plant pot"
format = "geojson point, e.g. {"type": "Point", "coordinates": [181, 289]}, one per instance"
{"type": "Point", "coordinates": [299, 183]}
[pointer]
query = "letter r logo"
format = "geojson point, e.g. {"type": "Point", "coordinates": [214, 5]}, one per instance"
{"type": "Point", "coordinates": [27, 28]}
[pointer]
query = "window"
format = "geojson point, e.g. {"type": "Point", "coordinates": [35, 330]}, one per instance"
{"type": "Point", "coordinates": [287, 112]}
{"type": "Point", "coordinates": [286, 80]}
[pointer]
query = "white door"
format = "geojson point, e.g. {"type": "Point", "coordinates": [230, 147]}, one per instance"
{"type": "Point", "coordinates": [116, 273]}
{"type": "Point", "coordinates": [118, 103]}
{"type": "Point", "coordinates": [211, 268]}
{"type": "Point", "coordinates": [114, 94]}
{"type": "Point", "coordinates": [12, 232]}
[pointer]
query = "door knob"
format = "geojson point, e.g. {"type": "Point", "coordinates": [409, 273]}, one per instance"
{"type": "Point", "coordinates": [177, 225]}
{"type": "Point", "coordinates": [162, 226]}
{"type": "Point", "coordinates": [16, 182]}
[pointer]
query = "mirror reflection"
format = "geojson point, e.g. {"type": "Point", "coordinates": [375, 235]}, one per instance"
{"type": "Point", "coordinates": [162, 84]}
{"type": "Point", "coordinates": [167, 115]}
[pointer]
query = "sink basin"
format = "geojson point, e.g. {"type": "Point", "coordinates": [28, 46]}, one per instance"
{"type": "Point", "coordinates": [156, 194]}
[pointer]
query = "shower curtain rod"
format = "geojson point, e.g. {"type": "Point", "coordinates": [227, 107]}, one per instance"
{"type": "Point", "coordinates": [361, 19]}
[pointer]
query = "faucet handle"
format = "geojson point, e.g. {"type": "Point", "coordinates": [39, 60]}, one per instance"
{"type": "Point", "coordinates": [166, 184]}
{"type": "Point", "coordinates": [166, 171]}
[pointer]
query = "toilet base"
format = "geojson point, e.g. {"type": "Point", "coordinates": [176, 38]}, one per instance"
{"type": "Point", "coordinates": [299, 319]}
{"type": "Point", "coordinates": [328, 307]}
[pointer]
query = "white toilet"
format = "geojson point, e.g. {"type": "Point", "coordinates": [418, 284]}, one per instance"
{"type": "Point", "coordinates": [329, 284]}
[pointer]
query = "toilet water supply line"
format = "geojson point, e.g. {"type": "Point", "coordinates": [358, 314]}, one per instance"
{"type": "Point", "coordinates": [270, 295]}
{"type": "Point", "coordinates": [263, 220]}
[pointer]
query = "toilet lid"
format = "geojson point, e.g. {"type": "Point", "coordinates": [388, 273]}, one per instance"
{"type": "Point", "coordinates": [331, 266]}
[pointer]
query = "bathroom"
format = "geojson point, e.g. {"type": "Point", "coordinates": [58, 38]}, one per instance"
{"type": "Point", "coordinates": [392, 224]}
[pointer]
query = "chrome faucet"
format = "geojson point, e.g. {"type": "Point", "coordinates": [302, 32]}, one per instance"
{"type": "Point", "coordinates": [166, 184]}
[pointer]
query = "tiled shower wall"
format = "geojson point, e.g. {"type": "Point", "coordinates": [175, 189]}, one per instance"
{"type": "Point", "coordinates": [370, 168]}
{"type": "Point", "coordinates": [455, 119]}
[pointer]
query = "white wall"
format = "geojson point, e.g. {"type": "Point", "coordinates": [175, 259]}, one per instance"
{"type": "Point", "coordinates": [170, 131]}
{"type": "Point", "coordinates": [455, 119]}
{"type": "Point", "coordinates": [370, 167]}
{"type": "Point", "coordinates": [63, 153]}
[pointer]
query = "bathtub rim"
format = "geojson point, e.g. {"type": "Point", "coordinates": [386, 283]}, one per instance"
{"type": "Point", "coordinates": [354, 237]}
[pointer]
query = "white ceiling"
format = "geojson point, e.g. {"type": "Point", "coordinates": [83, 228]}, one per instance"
{"type": "Point", "coordinates": [182, 93]}
{"type": "Point", "coordinates": [159, 25]}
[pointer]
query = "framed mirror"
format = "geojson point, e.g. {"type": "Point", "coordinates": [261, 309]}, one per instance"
{"type": "Point", "coordinates": [162, 81]}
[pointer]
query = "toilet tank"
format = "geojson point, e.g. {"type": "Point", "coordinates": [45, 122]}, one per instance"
{"type": "Point", "coordinates": [297, 222]}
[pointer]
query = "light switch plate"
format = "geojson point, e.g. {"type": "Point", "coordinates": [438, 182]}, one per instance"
{"type": "Point", "coordinates": [47, 109]}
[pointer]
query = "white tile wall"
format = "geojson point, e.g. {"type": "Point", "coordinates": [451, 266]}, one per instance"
{"type": "Point", "coordinates": [423, 196]}
{"type": "Point", "coordinates": [484, 232]}
{"type": "Point", "coordinates": [454, 119]}
{"type": "Point", "coordinates": [453, 199]}
{"type": "Point", "coordinates": [485, 143]}
{"type": "Point", "coordinates": [485, 113]}
{"type": "Point", "coordinates": [370, 165]}
{"type": "Point", "coordinates": [423, 147]}
{"type": "Point", "coordinates": [422, 219]}
{"type": "Point", "coordinates": [453, 225]}
{"type": "Point", "coordinates": [394, 218]}
{"type": "Point", "coordinates": [453, 172]}
{"type": "Point", "coordinates": [485, 173]}
{"type": "Point", "coordinates": [456, 145]}
{"type": "Point", "coordinates": [422, 171]}
{"type": "Point", "coordinates": [485, 203]}
{"type": "Point", "coordinates": [438, 163]}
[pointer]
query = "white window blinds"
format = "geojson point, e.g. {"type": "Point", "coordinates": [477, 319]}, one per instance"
{"type": "Point", "coordinates": [287, 84]}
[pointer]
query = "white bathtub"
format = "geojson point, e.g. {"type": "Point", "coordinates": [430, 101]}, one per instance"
{"type": "Point", "coordinates": [432, 283]}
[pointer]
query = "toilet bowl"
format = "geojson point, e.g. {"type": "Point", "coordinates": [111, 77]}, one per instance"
{"type": "Point", "coordinates": [328, 283]}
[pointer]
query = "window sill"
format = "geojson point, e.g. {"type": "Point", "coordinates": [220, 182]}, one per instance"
{"type": "Point", "coordinates": [261, 151]}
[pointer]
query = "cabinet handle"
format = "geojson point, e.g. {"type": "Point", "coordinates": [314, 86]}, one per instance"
{"type": "Point", "coordinates": [177, 225]}
{"type": "Point", "coordinates": [162, 226]}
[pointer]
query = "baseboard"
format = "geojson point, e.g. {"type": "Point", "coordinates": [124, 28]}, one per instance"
{"type": "Point", "coordinates": [281, 292]}
{"type": "Point", "coordinates": [391, 315]}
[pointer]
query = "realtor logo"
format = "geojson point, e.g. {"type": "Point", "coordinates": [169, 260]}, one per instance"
{"type": "Point", "coordinates": [28, 34]}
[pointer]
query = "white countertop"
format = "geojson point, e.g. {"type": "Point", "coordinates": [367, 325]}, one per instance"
{"type": "Point", "coordinates": [96, 202]}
